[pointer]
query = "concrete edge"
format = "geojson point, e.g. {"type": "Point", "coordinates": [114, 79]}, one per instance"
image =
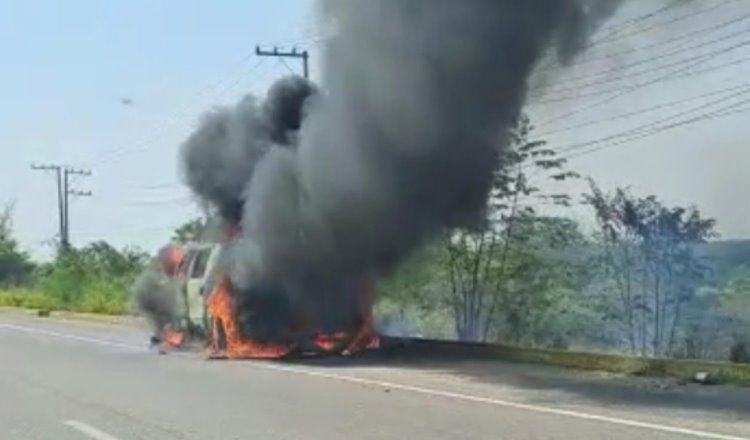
{"type": "Point", "coordinates": [75, 316]}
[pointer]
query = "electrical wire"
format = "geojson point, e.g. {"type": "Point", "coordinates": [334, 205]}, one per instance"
{"type": "Point", "coordinates": [617, 28]}
{"type": "Point", "coordinates": [666, 77]}
{"type": "Point", "coordinates": [653, 128]}
{"type": "Point", "coordinates": [159, 129]}
{"type": "Point", "coordinates": [679, 74]}
{"type": "Point", "coordinates": [173, 201]}
{"type": "Point", "coordinates": [644, 110]}
{"type": "Point", "coordinates": [715, 115]}
{"type": "Point", "coordinates": [673, 20]}
{"type": "Point", "coordinates": [647, 47]}
{"type": "Point", "coordinates": [622, 68]}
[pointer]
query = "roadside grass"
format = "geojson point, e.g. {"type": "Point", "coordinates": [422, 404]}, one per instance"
{"type": "Point", "coordinates": [94, 299]}
{"type": "Point", "coordinates": [111, 300]}
{"type": "Point", "coordinates": [681, 369]}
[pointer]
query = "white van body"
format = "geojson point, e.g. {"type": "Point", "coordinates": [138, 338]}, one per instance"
{"type": "Point", "coordinates": [201, 260]}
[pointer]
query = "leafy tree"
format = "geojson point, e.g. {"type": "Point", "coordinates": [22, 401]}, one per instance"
{"type": "Point", "coordinates": [407, 296]}
{"type": "Point", "coordinates": [540, 284]}
{"type": "Point", "coordinates": [649, 253]}
{"type": "Point", "coordinates": [735, 309]}
{"type": "Point", "coordinates": [480, 262]}
{"type": "Point", "coordinates": [94, 278]}
{"type": "Point", "coordinates": [106, 261]}
{"type": "Point", "coordinates": [192, 230]}
{"type": "Point", "coordinates": [15, 265]}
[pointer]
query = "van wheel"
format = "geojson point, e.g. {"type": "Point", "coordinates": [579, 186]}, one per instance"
{"type": "Point", "coordinates": [220, 342]}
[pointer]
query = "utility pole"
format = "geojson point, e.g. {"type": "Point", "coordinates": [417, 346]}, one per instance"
{"type": "Point", "coordinates": [67, 172]}
{"type": "Point", "coordinates": [303, 55]}
{"type": "Point", "coordinates": [63, 173]}
{"type": "Point", "coordinates": [60, 198]}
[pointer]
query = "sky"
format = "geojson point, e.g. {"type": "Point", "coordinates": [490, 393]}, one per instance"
{"type": "Point", "coordinates": [116, 86]}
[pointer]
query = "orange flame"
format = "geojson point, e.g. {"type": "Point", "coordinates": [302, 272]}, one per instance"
{"type": "Point", "coordinates": [228, 342]}
{"type": "Point", "coordinates": [331, 342]}
{"type": "Point", "coordinates": [366, 337]}
{"type": "Point", "coordinates": [172, 338]}
{"type": "Point", "coordinates": [171, 258]}
{"type": "Point", "coordinates": [226, 339]}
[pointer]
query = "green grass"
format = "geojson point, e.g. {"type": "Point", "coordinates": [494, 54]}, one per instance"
{"type": "Point", "coordinates": [108, 299]}
{"type": "Point", "coordinates": [684, 369]}
{"type": "Point", "coordinates": [94, 299]}
{"type": "Point", "coordinates": [28, 299]}
{"type": "Point", "coordinates": [725, 372]}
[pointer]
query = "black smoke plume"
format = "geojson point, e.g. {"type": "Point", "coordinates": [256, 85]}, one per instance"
{"type": "Point", "coordinates": [156, 297]}
{"type": "Point", "coordinates": [335, 186]}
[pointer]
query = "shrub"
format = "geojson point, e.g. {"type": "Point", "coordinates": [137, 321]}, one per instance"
{"type": "Point", "coordinates": [739, 353]}
{"type": "Point", "coordinates": [10, 299]}
{"type": "Point", "coordinates": [28, 299]}
{"type": "Point", "coordinates": [104, 296]}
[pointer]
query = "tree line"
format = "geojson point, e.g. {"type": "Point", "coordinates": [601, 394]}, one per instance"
{"type": "Point", "coordinates": [642, 283]}
{"type": "Point", "coordinates": [650, 280]}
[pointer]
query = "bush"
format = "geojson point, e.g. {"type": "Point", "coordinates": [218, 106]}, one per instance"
{"type": "Point", "coordinates": [40, 301]}
{"type": "Point", "coordinates": [57, 292]}
{"type": "Point", "coordinates": [27, 299]}
{"type": "Point", "coordinates": [10, 299]}
{"type": "Point", "coordinates": [103, 296]}
{"type": "Point", "coordinates": [739, 353]}
{"type": "Point", "coordinates": [102, 303]}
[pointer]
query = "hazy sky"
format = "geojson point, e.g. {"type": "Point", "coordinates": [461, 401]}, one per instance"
{"type": "Point", "coordinates": [115, 86]}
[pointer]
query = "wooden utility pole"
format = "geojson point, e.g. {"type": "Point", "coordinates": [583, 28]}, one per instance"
{"type": "Point", "coordinates": [294, 53]}
{"type": "Point", "coordinates": [67, 172]}
{"type": "Point", "coordinates": [64, 192]}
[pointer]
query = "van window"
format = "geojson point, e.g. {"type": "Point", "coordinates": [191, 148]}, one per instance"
{"type": "Point", "coordinates": [199, 263]}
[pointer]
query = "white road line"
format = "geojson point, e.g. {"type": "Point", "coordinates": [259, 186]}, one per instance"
{"type": "Point", "coordinates": [89, 431]}
{"type": "Point", "coordinates": [504, 403]}
{"type": "Point", "coordinates": [427, 391]}
{"type": "Point", "coordinates": [39, 331]}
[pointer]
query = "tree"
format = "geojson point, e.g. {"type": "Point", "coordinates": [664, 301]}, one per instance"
{"type": "Point", "coordinates": [408, 294]}
{"type": "Point", "coordinates": [192, 230]}
{"type": "Point", "coordinates": [93, 278]}
{"type": "Point", "coordinates": [649, 253]}
{"type": "Point", "coordinates": [104, 260]}
{"type": "Point", "coordinates": [15, 265]}
{"type": "Point", "coordinates": [540, 283]}
{"type": "Point", "coordinates": [734, 302]}
{"type": "Point", "coordinates": [477, 261]}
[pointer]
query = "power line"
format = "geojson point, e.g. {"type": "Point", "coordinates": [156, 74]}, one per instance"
{"type": "Point", "coordinates": [165, 185]}
{"type": "Point", "coordinates": [677, 19]}
{"type": "Point", "coordinates": [715, 115]}
{"type": "Point", "coordinates": [622, 68]}
{"type": "Point", "coordinates": [64, 193]}
{"type": "Point", "coordinates": [172, 201]}
{"type": "Point", "coordinates": [70, 192]}
{"type": "Point", "coordinates": [647, 47]}
{"type": "Point", "coordinates": [655, 127]}
{"type": "Point", "coordinates": [643, 110]}
{"type": "Point", "coordinates": [672, 76]}
{"type": "Point", "coordinates": [60, 198]}
{"type": "Point", "coordinates": [617, 28]}
{"type": "Point", "coordinates": [284, 63]}
{"type": "Point", "coordinates": [652, 124]}
{"type": "Point", "coordinates": [668, 76]}
{"type": "Point", "coordinates": [276, 53]}
{"type": "Point", "coordinates": [159, 129]}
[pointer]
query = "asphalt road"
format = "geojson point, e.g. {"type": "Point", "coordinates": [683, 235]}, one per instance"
{"type": "Point", "coordinates": [73, 380]}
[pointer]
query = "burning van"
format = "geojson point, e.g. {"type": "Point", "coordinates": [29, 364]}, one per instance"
{"type": "Point", "coordinates": [205, 311]}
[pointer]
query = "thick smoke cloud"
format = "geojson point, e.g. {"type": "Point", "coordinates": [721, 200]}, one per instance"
{"type": "Point", "coordinates": [219, 158]}
{"type": "Point", "coordinates": [333, 187]}
{"type": "Point", "coordinates": [155, 295]}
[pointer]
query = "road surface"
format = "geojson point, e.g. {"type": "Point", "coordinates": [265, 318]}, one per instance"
{"type": "Point", "coordinates": [73, 380]}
